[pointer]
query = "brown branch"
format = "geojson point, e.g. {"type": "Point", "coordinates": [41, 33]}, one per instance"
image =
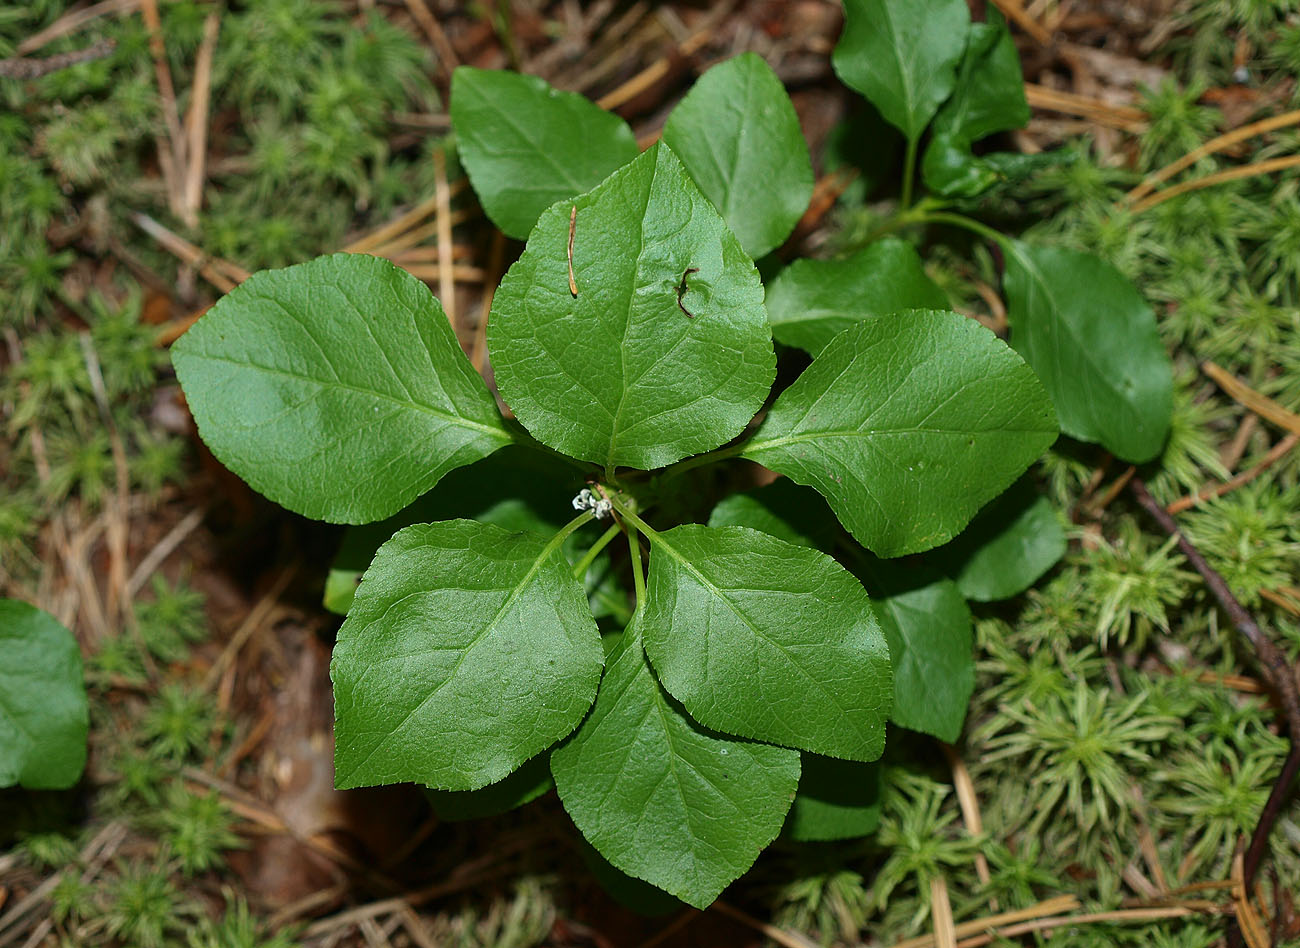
{"type": "Point", "coordinates": [18, 67]}
{"type": "Point", "coordinates": [1275, 663]}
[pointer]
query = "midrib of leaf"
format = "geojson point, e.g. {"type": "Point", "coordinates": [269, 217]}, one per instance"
{"type": "Point", "coordinates": [1068, 330]}
{"type": "Point", "coordinates": [735, 610]}
{"type": "Point", "coordinates": [867, 435]}
{"type": "Point", "coordinates": [903, 77]}
{"type": "Point", "coordinates": [439, 413]}
{"type": "Point", "coordinates": [616, 424]}
{"type": "Point", "coordinates": [552, 545]}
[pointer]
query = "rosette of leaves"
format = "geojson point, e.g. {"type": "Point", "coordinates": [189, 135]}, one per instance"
{"type": "Point", "coordinates": [632, 345]}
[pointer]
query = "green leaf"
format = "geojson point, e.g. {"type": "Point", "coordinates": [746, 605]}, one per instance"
{"type": "Point", "coordinates": [738, 135]}
{"type": "Point", "coordinates": [518, 488]}
{"type": "Point", "coordinates": [526, 145]}
{"type": "Point", "coordinates": [43, 711]}
{"type": "Point", "coordinates": [928, 626]}
{"type": "Point", "coordinates": [525, 785]}
{"type": "Point", "coordinates": [768, 640]}
{"type": "Point", "coordinates": [952, 170]}
{"type": "Point", "coordinates": [902, 55]}
{"type": "Point", "coordinates": [662, 799]}
{"type": "Point", "coordinates": [621, 375]}
{"type": "Point", "coordinates": [1007, 547]}
{"type": "Point", "coordinates": [837, 799]}
{"type": "Point", "coordinates": [812, 301]}
{"type": "Point", "coordinates": [783, 510]}
{"type": "Point", "coordinates": [1093, 341]}
{"type": "Point", "coordinates": [468, 650]}
{"type": "Point", "coordinates": [336, 388]}
{"type": "Point", "coordinates": [989, 98]}
{"type": "Point", "coordinates": [907, 426]}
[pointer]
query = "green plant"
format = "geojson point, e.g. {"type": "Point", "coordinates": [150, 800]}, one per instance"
{"type": "Point", "coordinates": [43, 710]}
{"type": "Point", "coordinates": [631, 341]}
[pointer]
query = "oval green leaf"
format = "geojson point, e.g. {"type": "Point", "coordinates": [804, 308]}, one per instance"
{"type": "Point", "coordinates": [1093, 341]}
{"type": "Point", "coordinates": [661, 798]}
{"type": "Point", "coordinates": [907, 426]}
{"type": "Point", "coordinates": [767, 640]}
{"type": "Point", "coordinates": [43, 711]}
{"type": "Point", "coordinates": [738, 135]}
{"type": "Point", "coordinates": [336, 388]}
{"type": "Point", "coordinates": [468, 650]}
{"type": "Point", "coordinates": [526, 145]}
{"type": "Point", "coordinates": [812, 301]}
{"type": "Point", "coordinates": [902, 55]}
{"type": "Point", "coordinates": [620, 374]}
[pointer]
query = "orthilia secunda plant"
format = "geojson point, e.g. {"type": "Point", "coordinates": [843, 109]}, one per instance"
{"type": "Point", "coordinates": [571, 598]}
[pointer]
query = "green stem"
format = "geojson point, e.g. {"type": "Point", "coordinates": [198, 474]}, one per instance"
{"type": "Point", "coordinates": [966, 223]}
{"type": "Point", "coordinates": [584, 564]}
{"type": "Point", "coordinates": [634, 548]}
{"type": "Point", "coordinates": [909, 171]}
{"type": "Point", "coordinates": [582, 519]}
{"type": "Point", "coordinates": [699, 460]}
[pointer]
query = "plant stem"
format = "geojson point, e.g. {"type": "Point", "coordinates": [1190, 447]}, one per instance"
{"type": "Point", "coordinates": [1275, 663]}
{"type": "Point", "coordinates": [582, 519]}
{"type": "Point", "coordinates": [580, 568]}
{"type": "Point", "coordinates": [966, 223]}
{"type": "Point", "coordinates": [638, 578]}
{"type": "Point", "coordinates": [699, 460]}
{"type": "Point", "coordinates": [909, 171]}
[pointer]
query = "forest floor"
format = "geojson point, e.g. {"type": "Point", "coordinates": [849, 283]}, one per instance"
{"type": "Point", "coordinates": [179, 146]}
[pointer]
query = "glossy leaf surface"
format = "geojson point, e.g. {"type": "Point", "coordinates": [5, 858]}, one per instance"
{"type": "Point", "coordinates": [902, 55]}
{"type": "Point", "coordinates": [336, 388]}
{"type": "Point", "coordinates": [43, 711]}
{"type": "Point", "coordinates": [660, 797]}
{"type": "Point", "coordinates": [907, 426]}
{"type": "Point", "coordinates": [526, 145]}
{"type": "Point", "coordinates": [620, 374]}
{"type": "Point", "coordinates": [812, 301]}
{"type": "Point", "coordinates": [468, 650]}
{"type": "Point", "coordinates": [738, 136]}
{"type": "Point", "coordinates": [767, 640]}
{"type": "Point", "coordinates": [1093, 340]}
{"type": "Point", "coordinates": [517, 488]}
